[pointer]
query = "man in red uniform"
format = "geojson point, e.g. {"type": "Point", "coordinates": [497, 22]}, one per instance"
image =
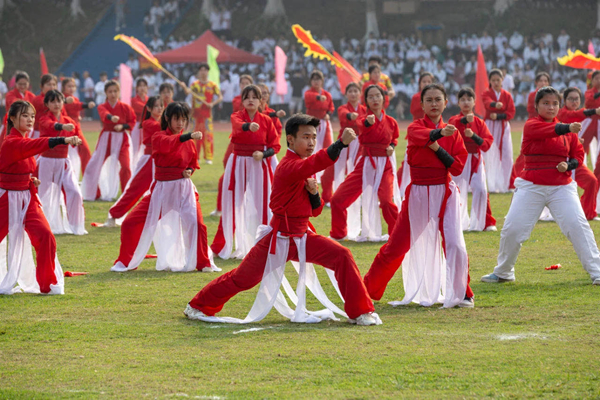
{"type": "Point", "coordinates": [292, 207]}
{"type": "Point", "coordinates": [208, 95]}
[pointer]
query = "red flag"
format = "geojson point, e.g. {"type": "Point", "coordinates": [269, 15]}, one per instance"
{"type": "Point", "coordinates": [43, 64]}
{"type": "Point", "coordinates": [481, 83]}
{"type": "Point", "coordinates": [347, 75]}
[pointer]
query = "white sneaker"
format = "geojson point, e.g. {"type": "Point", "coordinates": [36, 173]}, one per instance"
{"type": "Point", "coordinates": [596, 218]}
{"type": "Point", "coordinates": [339, 240]}
{"type": "Point", "coordinates": [493, 278]}
{"type": "Point", "coordinates": [491, 228]}
{"type": "Point", "coordinates": [215, 213]}
{"type": "Point", "coordinates": [110, 223]}
{"type": "Point", "coordinates": [364, 320]}
{"type": "Point", "coordinates": [467, 303]}
{"type": "Point", "coordinates": [596, 282]}
{"type": "Point", "coordinates": [192, 313]}
{"type": "Point", "coordinates": [209, 162]}
{"type": "Point", "coordinates": [328, 205]}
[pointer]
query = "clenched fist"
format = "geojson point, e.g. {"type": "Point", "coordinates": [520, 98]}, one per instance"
{"type": "Point", "coordinates": [254, 126]}
{"type": "Point", "coordinates": [258, 155]}
{"type": "Point", "coordinates": [348, 136]}
{"type": "Point", "coordinates": [353, 116]}
{"type": "Point", "coordinates": [575, 127]}
{"type": "Point", "coordinates": [470, 118]}
{"type": "Point", "coordinates": [468, 132]}
{"type": "Point", "coordinates": [197, 135]}
{"type": "Point", "coordinates": [448, 130]}
{"type": "Point", "coordinates": [281, 113]}
{"type": "Point", "coordinates": [73, 140]}
{"type": "Point", "coordinates": [562, 166]}
{"type": "Point", "coordinates": [499, 105]}
{"type": "Point", "coordinates": [68, 127]}
{"type": "Point", "coordinates": [311, 186]}
{"type": "Point", "coordinates": [114, 119]}
{"type": "Point", "coordinates": [371, 119]}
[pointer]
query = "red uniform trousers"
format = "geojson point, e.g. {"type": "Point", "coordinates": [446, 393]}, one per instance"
{"type": "Point", "coordinates": [220, 188]}
{"type": "Point", "coordinates": [351, 189]}
{"type": "Point", "coordinates": [517, 169]}
{"type": "Point", "coordinates": [391, 255]}
{"type": "Point", "coordinates": [139, 184]}
{"type": "Point", "coordinates": [132, 228]}
{"type": "Point", "coordinates": [125, 172]}
{"type": "Point", "coordinates": [84, 154]}
{"type": "Point", "coordinates": [319, 250]}
{"type": "Point", "coordinates": [41, 237]}
{"type": "Point", "coordinates": [589, 183]}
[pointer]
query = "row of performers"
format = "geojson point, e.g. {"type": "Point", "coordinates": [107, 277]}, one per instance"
{"type": "Point", "coordinates": [430, 215]}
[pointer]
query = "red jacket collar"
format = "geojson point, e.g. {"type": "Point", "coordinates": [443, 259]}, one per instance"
{"type": "Point", "coordinates": [430, 124]}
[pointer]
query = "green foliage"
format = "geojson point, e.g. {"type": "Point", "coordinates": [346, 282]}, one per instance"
{"type": "Point", "coordinates": [125, 335]}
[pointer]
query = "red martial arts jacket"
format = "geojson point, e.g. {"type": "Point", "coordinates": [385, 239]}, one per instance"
{"type": "Point", "coordinates": [415, 107]}
{"type": "Point", "coordinates": [16, 160]}
{"type": "Point", "coordinates": [246, 142]}
{"type": "Point", "coordinates": [425, 167]}
{"type": "Point", "coordinates": [237, 103]}
{"type": "Point", "coordinates": [40, 109]}
{"type": "Point", "coordinates": [171, 156]}
{"type": "Point", "coordinates": [544, 149]}
{"type": "Point", "coordinates": [590, 101]}
{"type": "Point", "coordinates": [149, 128]}
{"type": "Point", "coordinates": [531, 111]}
{"type": "Point", "coordinates": [123, 111]}
{"type": "Point", "coordinates": [343, 113]}
{"type": "Point", "coordinates": [318, 108]}
{"type": "Point", "coordinates": [47, 129]}
{"type": "Point", "coordinates": [275, 119]}
{"type": "Point", "coordinates": [478, 127]}
{"type": "Point", "coordinates": [375, 139]}
{"type": "Point", "coordinates": [73, 110]}
{"type": "Point", "coordinates": [15, 95]}
{"type": "Point", "coordinates": [138, 104]}
{"type": "Point", "coordinates": [567, 116]}
{"type": "Point", "coordinates": [508, 105]}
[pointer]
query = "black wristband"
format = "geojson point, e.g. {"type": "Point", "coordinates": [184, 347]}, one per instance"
{"type": "Point", "coordinates": [596, 95]}
{"type": "Point", "coordinates": [562, 129]}
{"type": "Point", "coordinates": [109, 117]}
{"type": "Point", "coordinates": [590, 112]}
{"type": "Point", "coordinates": [126, 126]}
{"type": "Point", "coordinates": [493, 104]}
{"type": "Point", "coordinates": [319, 97]}
{"type": "Point", "coordinates": [315, 200]}
{"type": "Point", "coordinates": [273, 114]}
{"type": "Point", "coordinates": [435, 134]}
{"type": "Point", "coordinates": [334, 150]}
{"type": "Point", "coordinates": [56, 141]}
{"type": "Point", "coordinates": [367, 124]}
{"type": "Point", "coordinates": [246, 126]}
{"type": "Point", "coordinates": [444, 157]}
{"type": "Point", "coordinates": [349, 116]}
{"type": "Point", "coordinates": [185, 137]}
{"type": "Point", "coordinates": [58, 126]}
{"type": "Point", "coordinates": [85, 105]}
{"type": "Point", "coordinates": [573, 163]}
{"type": "Point", "coordinates": [393, 145]}
{"type": "Point", "coordinates": [477, 139]}
{"type": "Point", "coordinates": [268, 152]}
{"type": "Point", "coordinates": [500, 116]}
{"type": "Point", "coordinates": [464, 121]}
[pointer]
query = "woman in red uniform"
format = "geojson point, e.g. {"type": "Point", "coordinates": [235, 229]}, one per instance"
{"type": "Point", "coordinates": [375, 79]}
{"type": "Point", "coordinates": [48, 82]}
{"type": "Point", "coordinates": [79, 156]}
{"type": "Point", "coordinates": [138, 102]}
{"type": "Point", "coordinates": [583, 176]}
{"type": "Point", "coordinates": [416, 110]}
{"type": "Point", "coordinates": [20, 209]}
{"type": "Point", "coordinates": [590, 126]}
{"type": "Point", "coordinates": [542, 79]}
{"type": "Point", "coordinates": [144, 169]}
{"type": "Point", "coordinates": [114, 146]}
{"type": "Point", "coordinates": [373, 176]}
{"type": "Point", "coordinates": [170, 215]}
{"type": "Point", "coordinates": [348, 115]}
{"type": "Point", "coordinates": [59, 184]}
{"type": "Point", "coordinates": [248, 178]}
{"type": "Point", "coordinates": [245, 80]}
{"type": "Point", "coordinates": [319, 104]}
{"type": "Point", "coordinates": [552, 150]}
{"type": "Point", "coordinates": [20, 92]}
{"type": "Point", "coordinates": [478, 140]}
{"type": "Point", "coordinates": [499, 110]}
{"type": "Point", "coordinates": [431, 207]}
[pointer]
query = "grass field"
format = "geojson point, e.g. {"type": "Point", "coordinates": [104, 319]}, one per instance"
{"type": "Point", "coordinates": [125, 335]}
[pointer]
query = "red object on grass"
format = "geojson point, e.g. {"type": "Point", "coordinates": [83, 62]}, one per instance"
{"type": "Point", "coordinates": [43, 64]}
{"type": "Point", "coordinates": [556, 266]}
{"type": "Point", "coordinates": [147, 256]}
{"type": "Point", "coordinates": [69, 273]}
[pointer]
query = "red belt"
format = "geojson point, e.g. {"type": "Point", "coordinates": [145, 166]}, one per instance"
{"type": "Point", "coordinates": [168, 173]}
{"type": "Point", "coordinates": [246, 150]}
{"type": "Point", "coordinates": [10, 181]}
{"type": "Point", "coordinates": [299, 226]}
{"type": "Point", "coordinates": [427, 176]}
{"type": "Point", "coordinates": [542, 161]}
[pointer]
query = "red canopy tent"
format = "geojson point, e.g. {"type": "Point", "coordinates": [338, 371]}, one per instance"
{"type": "Point", "coordinates": [195, 52]}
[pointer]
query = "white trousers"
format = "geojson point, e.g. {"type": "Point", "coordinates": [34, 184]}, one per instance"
{"type": "Point", "coordinates": [527, 204]}
{"type": "Point", "coordinates": [476, 183]}
{"type": "Point", "coordinates": [499, 166]}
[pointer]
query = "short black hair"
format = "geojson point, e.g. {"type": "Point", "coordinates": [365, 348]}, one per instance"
{"type": "Point", "coordinates": [166, 85]}
{"type": "Point", "coordinates": [47, 78]}
{"type": "Point", "coordinates": [540, 75]}
{"type": "Point", "coordinates": [316, 74]}
{"type": "Point", "coordinates": [373, 87]}
{"type": "Point", "coordinates": [52, 95]}
{"type": "Point", "coordinates": [568, 91]}
{"type": "Point", "coordinates": [466, 91]}
{"type": "Point", "coordinates": [373, 68]}
{"type": "Point", "coordinates": [178, 109]}
{"type": "Point", "coordinates": [203, 65]}
{"type": "Point", "coordinates": [377, 59]}
{"type": "Point", "coordinates": [297, 120]}
{"type": "Point", "coordinates": [21, 75]}
{"type": "Point", "coordinates": [110, 83]}
{"type": "Point", "coordinates": [596, 72]}
{"type": "Point", "coordinates": [150, 105]}
{"type": "Point", "coordinates": [495, 71]}
{"type": "Point", "coordinates": [544, 91]}
{"type": "Point", "coordinates": [352, 85]}
{"type": "Point", "coordinates": [424, 75]}
{"type": "Point", "coordinates": [140, 81]}
{"type": "Point", "coordinates": [437, 86]}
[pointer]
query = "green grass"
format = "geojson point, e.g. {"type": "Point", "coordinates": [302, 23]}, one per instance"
{"type": "Point", "coordinates": [125, 336]}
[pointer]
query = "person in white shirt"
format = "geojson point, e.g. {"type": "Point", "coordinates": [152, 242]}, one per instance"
{"type": "Point", "coordinates": [439, 73]}
{"type": "Point", "coordinates": [563, 40]}
{"type": "Point", "coordinates": [486, 41]}
{"type": "Point", "coordinates": [371, 41]}
{"type": "Point", "coordinates": [88, 92]}
{"type": "Point", "coordinates": [516, 40]}
{"type": "Point", "coordinates": [500, 40]}
{"type": "Point", "coordinates": [3, 91]}
{"type": "Point", "coordinates": [215, 20]}
{"type": "Point", "coordinates": [99, 88]}
{"type": "Point", "coordinates": [133, 64]}
{"type": "Point", "coordinates": [156, 16]}
{"type": "Point", "coordinates": [156, 43]}
{"type": "Point", "coordinates": [326, 42]}
{"type": "Point", "coordinates": [225, 20]}
{"type": "Point", "coordinates": [508, 83]}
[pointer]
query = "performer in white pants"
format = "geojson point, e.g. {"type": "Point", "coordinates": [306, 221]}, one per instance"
{"type": "Point", "coordinates": [477, 140]}
{"type": "Point", "coordinates": [499, 110]}
{"type": "Point", "coordinates": [59, 190]}
{"type": "Point", "coordinates": [552, 150]}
